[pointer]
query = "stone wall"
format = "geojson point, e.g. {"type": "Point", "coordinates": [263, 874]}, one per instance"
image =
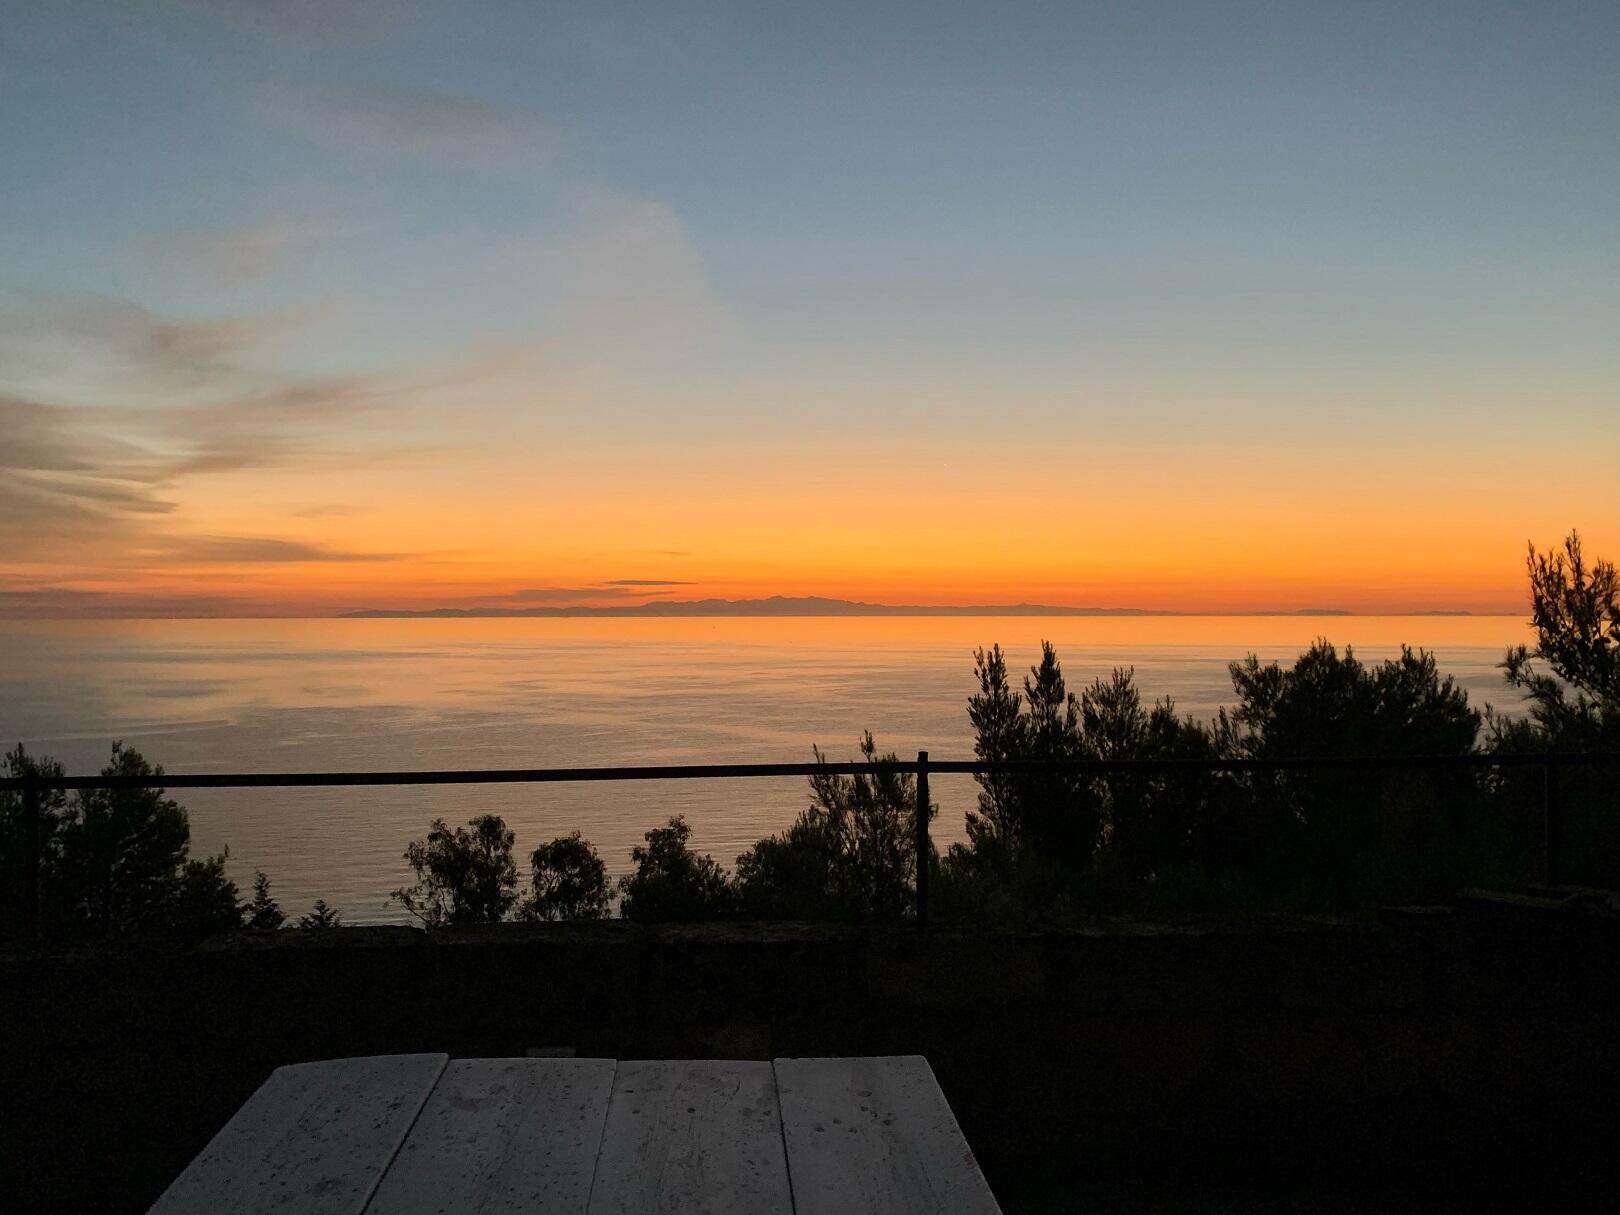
{"type": "Point", "coordinates": [1467, 1046]}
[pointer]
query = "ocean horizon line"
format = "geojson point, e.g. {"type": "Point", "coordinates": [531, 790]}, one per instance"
{"type": "Point", "coordinates": [862, 612]}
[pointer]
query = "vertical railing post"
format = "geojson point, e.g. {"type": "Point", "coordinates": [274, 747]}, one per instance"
{"type": "Point", "coordinates": [1549, 821]}
{"type": "Point", "coordinates": [924, 848]}
{"type": "Point", "coordinates": [32, 847]}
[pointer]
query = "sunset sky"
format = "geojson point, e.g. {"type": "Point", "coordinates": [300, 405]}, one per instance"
{"type": "Point", "coordinates": [1195, 306]}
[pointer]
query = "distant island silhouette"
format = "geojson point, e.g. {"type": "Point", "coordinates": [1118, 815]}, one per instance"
{"type": "Point", "coordinates": [817, 605]}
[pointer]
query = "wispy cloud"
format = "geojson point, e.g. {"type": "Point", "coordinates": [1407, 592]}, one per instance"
{"type": "Point", "coordinates": [65, 485]}
{"type": "Point", "coordinates": [98, 477]}
{"type": "Point", "coordinates": [67, 345]}
{"type": "Point", "coordinates": [253, 550]}
{"type": "Point", "coordinates": [105, 476]}
{"type": "Point", "coordinates": [646, 582]}
{"type": "Point", "coordinates": [582, 594]}
{"type": "Point", "coordinates": [124, 457]}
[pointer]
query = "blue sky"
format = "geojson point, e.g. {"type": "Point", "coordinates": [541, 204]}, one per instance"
{"type": "Point", "coordinates": [1038, 234]}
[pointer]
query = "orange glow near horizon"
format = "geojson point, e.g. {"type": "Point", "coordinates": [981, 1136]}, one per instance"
{"type": "Point", "coordinates": [533, 526]}
{"type": "Point", "coordinates": [1191, 532]}
{"type": "Point", "coordinates": [1172, 562]}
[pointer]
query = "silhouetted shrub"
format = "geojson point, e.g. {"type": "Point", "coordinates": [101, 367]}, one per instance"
{"type": "Point", "coordinates": [673, 883]}
{"type": "Point", "coordinates": [1152, 820]}
{"type": "Point", "coordinates": [462, 876]}
{"type": "Point", "coordinates": [1034, 834]}
{"type": "Point", "coordinates": [1044, 844]}
{"type": "Point", "coordinates": [987, 883]}
{"type": "Point", "coordinates": [568, 882]}
{"type": "Point", "coordinates": [1054, 814]}
{"type": "Point", "coordinates": [851, 855]}
{"type": "Point", "coordinates": [1576, 613]}
{"type": "Point", "coordinates": [1331, 828]}
{"type": "Point", "coordinates": [1575, 609]}
{"type": "Point", "coordinates": [14, 852]}
{"type": "Point", "coordinates": [205, 902]}
{"type": "Point", "coordinates": [321, 916]}
{"type": "Point", "coordinates": [110, 860]}
{"type": "Point", "coordinates": [121, 851]}
{"type": "Point", "coordinates": [263, 913]}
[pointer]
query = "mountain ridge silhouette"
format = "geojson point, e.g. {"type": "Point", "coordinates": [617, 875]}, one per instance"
{"type": "Point", "coordinates": [811, 605]}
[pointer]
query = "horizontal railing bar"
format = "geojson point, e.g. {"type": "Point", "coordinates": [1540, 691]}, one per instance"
{"type": "Point", "coordinates": [511, 776]}
{"type": "Point", "coordinates": [472, 776]}
{"type": "Point", "coordinates": [1103, 767]}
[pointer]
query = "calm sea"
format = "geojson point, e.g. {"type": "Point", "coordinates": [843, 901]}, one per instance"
{"type": "Point", "coordinates": [256, 695]}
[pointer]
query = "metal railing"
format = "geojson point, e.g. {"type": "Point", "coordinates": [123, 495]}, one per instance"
{"type": "Point", "coordinates": [33, 786]}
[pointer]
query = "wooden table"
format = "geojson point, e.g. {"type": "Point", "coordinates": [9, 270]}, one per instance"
{"type": "Point", "coordinates": [420, 1135]}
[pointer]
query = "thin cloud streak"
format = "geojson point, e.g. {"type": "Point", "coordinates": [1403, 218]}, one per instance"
{"type": "Point", "coordinates": [100, 479]}
{"type": "Point", "coordinates": [255, 550]}
{"type": "Point", "coordinates": [120, 349]}
{"type": "Point", "coordinates": [580, 594]}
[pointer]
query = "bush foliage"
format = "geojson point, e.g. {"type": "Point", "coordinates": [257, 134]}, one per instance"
{"type": "Point", "coordinates": [671, 882]}
{"type": "Point", "coordinates": [112, 862]}
{"type": "Point", "coordinates": [568, 882]}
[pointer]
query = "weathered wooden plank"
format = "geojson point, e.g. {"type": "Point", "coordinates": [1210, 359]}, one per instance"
{"type": "Point", "coordinates": [501, 1136]}
{"type": "Point", "coordinates": [315, 1138]}
{"type": "Point", "coordinates": [875, 1135]}
{"type": "Point", "coordinates": [692, 1136]}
